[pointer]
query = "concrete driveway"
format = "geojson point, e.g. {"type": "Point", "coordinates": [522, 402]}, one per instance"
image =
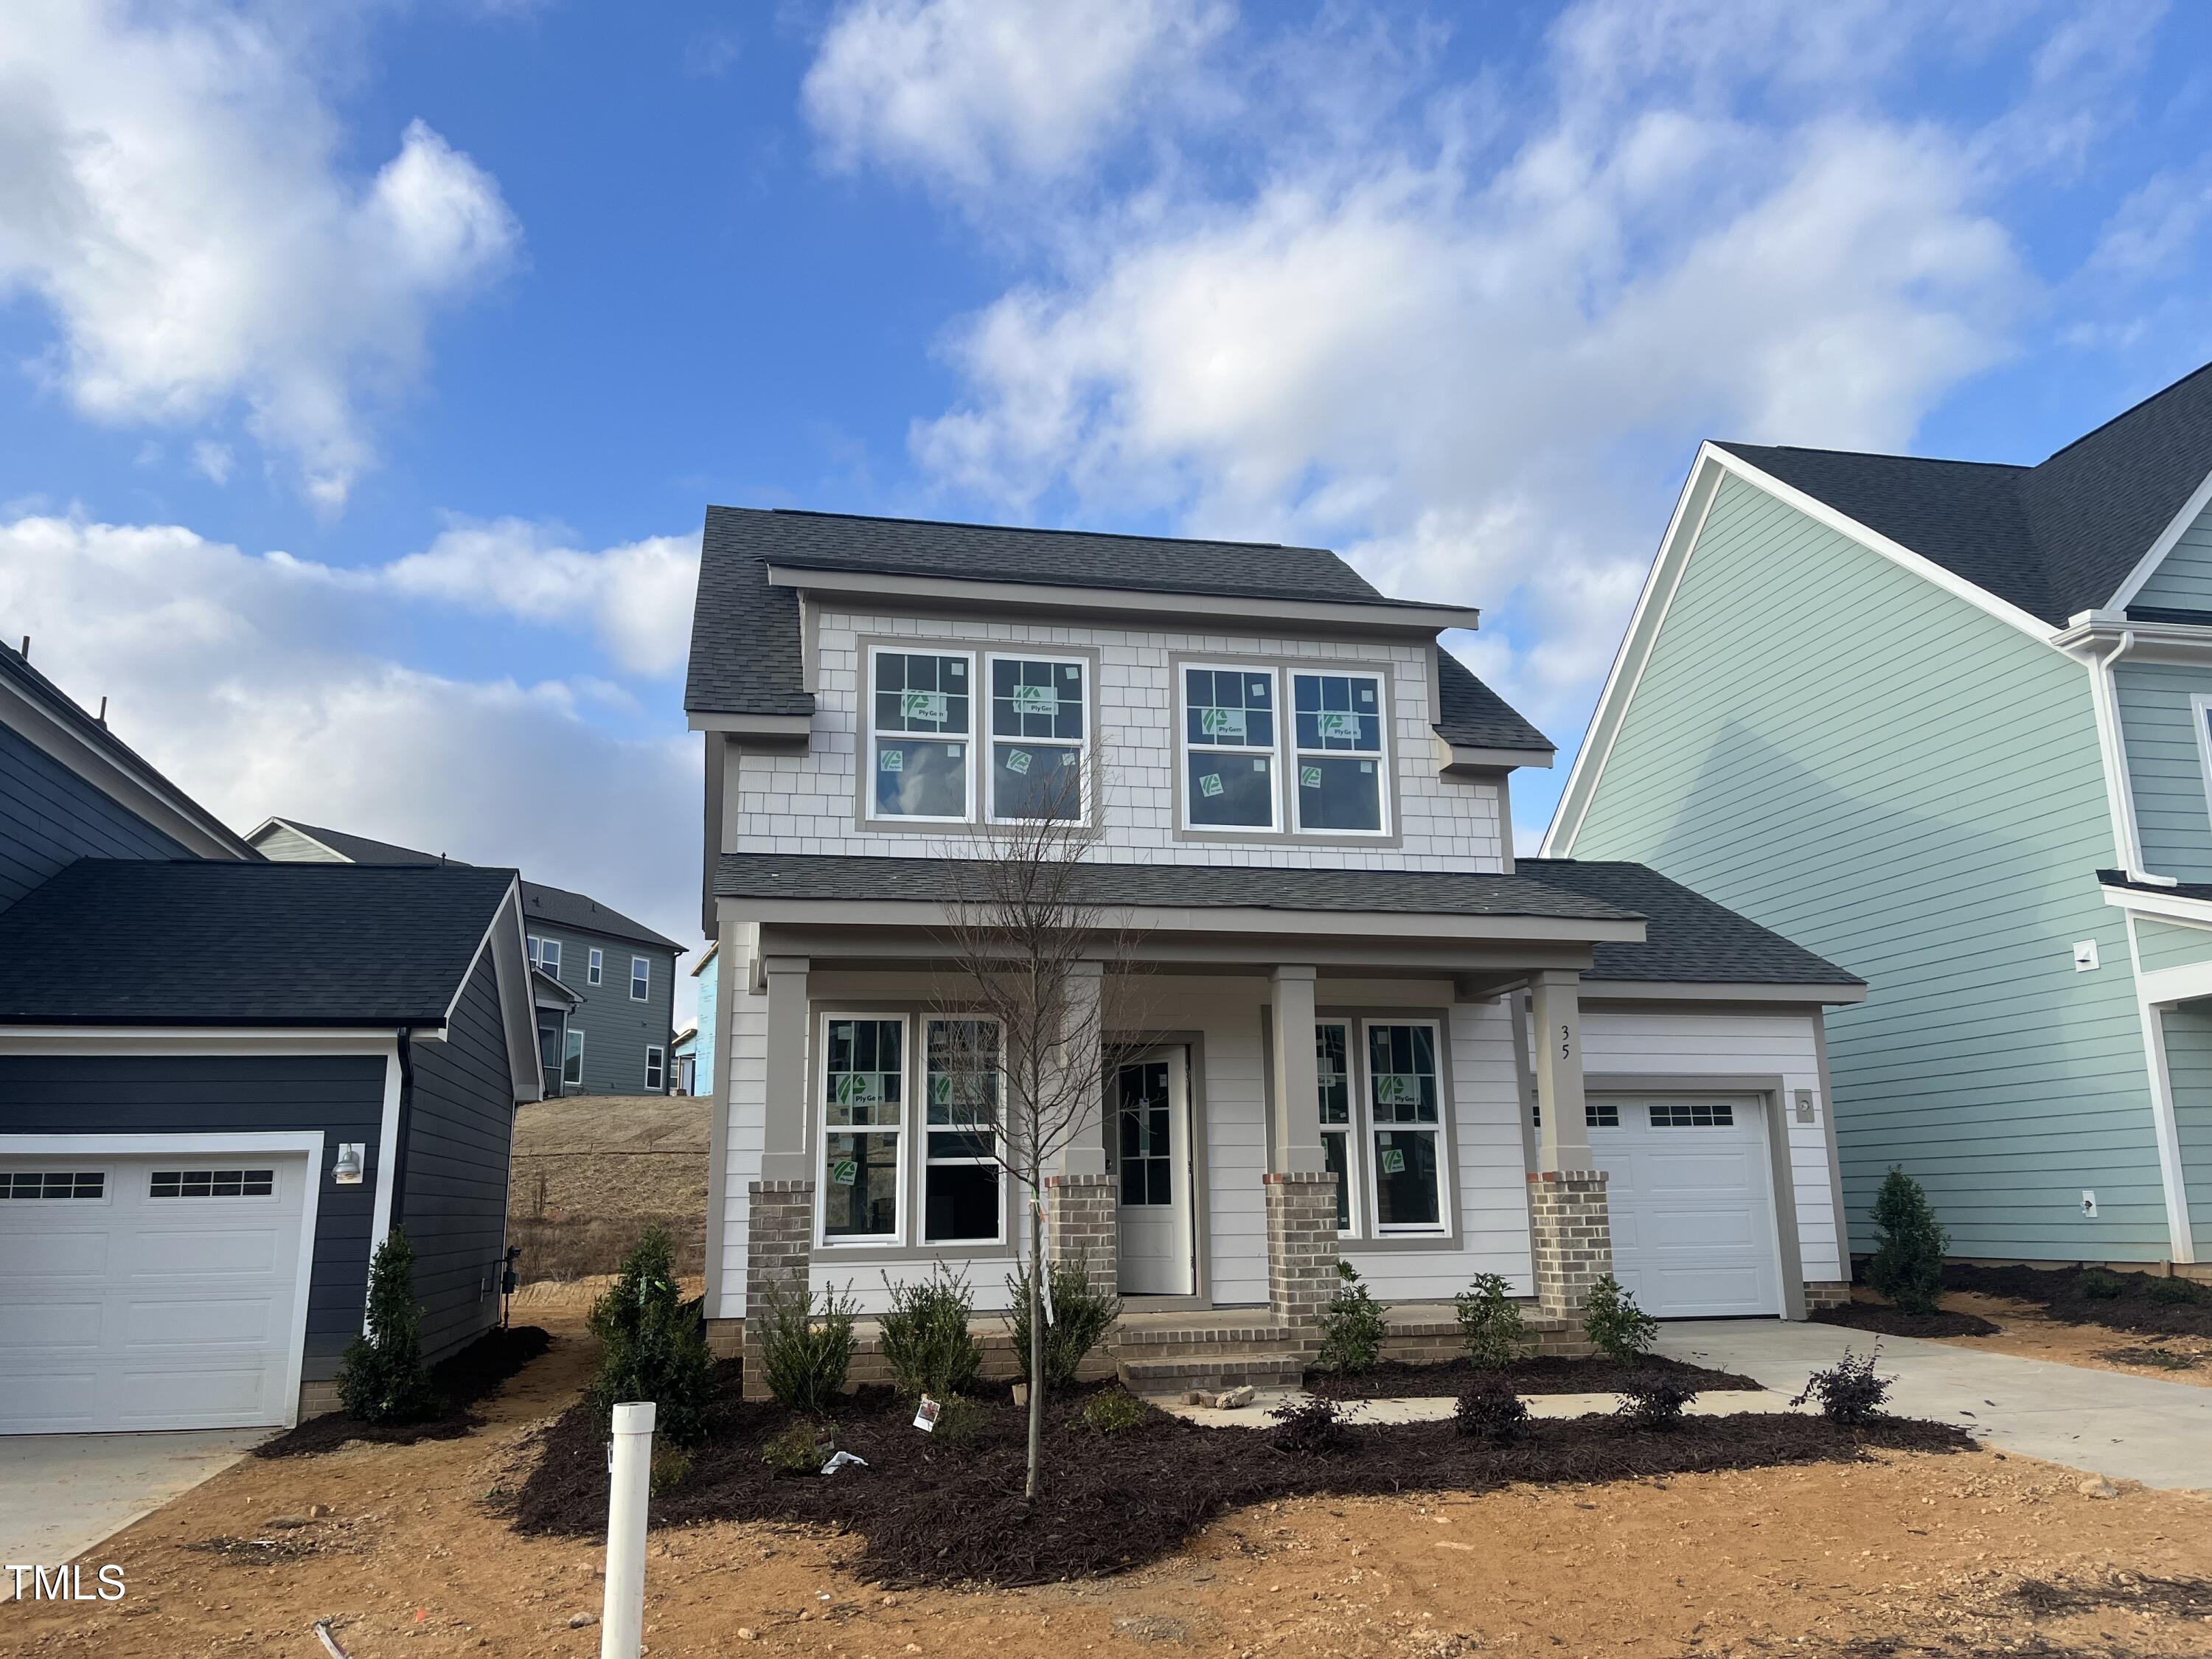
{"type": "Point", "coordinates": [2109, 1423]}
{"type": "Point", "coordinates": [61, 1494]}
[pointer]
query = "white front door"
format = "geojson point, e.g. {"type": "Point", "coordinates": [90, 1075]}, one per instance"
{"type": "Point", "coordinates": [1691, 1203]}
{"type": "Point", "coordinates": [154, 1291]}
{"type": "Point", "coordinates": [1151, 1154]}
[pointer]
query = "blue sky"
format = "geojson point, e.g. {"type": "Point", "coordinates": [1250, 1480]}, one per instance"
{"type": "Point", "coordinates": [365, 369]}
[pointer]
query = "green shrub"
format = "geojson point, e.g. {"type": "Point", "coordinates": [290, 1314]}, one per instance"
{"type": "Point", "coordinates": [672, 1468]}
{"type": "Point", "coordinates": [1654, 1402]}
{"type": "Point", "coordinates": [801, 1448]}
{"type": "Point", "coordinates": [1311, 1425]}
{"type": "Point", "coordinates": [2174, 1293]}
{"type": "Point", "coordinates": [807, 1360]}
{"type": "Point", "coordinates": [1908, 1253]}
{"type": "Point", "coordinates": [1112, 1411]}
{"type": "Point", "coordinates": [1848, 1391]}
{"type": "Point", "coordinates": [1490, 1323]}
{"type": "Point", "coordinates": [1081, 1315]}
{"type": "Point", "coordinates": [926, 1339]}
{"type": "Point", "coordinates": [653, 1344]}
{"type": "Point", "coordinates": [2099, 1285]}
{"type": "Point", "coordinates": [960, 1421]}
{"type": "Point", "coordinates": [1352, 1326]}
{"type": "Point", "coordinates": [1490, 1410]}
{"type": "Point", "coordinates": [382, 1379]}
{"type": "Point", "coordinates": [1615, 1326]}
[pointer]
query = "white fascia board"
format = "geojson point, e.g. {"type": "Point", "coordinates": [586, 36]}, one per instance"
{"type": "Point", "coordinates": [1465, 758]}
{"type": "Point", "coordinates": [1391, 617]}
{"type": "Point", "coordinates": [754, 728]}
{"type": "Point", "coordinates": [2097, 633]}
{"type": "Point", "coordinates": [2160, 907]}
{"type": "Point", "coordinates": [1634, 990]}
{"type": "Point", "coordinates": [2191, 510]}
{"type": "Point", "coordinates": [197, 1039]}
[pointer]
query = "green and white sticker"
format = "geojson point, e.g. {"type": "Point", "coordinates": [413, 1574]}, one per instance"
{"type": "Point", "coordinates": [1396, 1088]}
{"type": "Point", "coordinates": [1018, 762]}
{"type": "Point", "coordinates": [923, 707]}
{"type": "Point", "coordinates": [1210, 785]}
{"type": "Point", "coordinates": [1393, 1161]}
{"type": "Point", "coordinates": [859, 1089]}
{"type": "Point", "coordinates": [1226, 725]}
{"type": "Point", "coordinates": [1340, 724]}
{"type": "Point", "coordinates": [891, 760]}
{"type": "Point", "coordinates": [1037, 699]}
{"type": "Point", "coordinates": [845, 1171]}
{"type": "Point", "coordinates": [1308, 777]}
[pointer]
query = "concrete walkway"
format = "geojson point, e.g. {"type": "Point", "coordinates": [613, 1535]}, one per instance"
{"type": "Point", "coordinates": [2109, 1423]}
{"type": "Point", "coordinates": [62, 1494]}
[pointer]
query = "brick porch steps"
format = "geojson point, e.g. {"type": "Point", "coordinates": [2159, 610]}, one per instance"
{"type": "Point", "coordinates": [1275, 1367]}
{"type": "Point", "coordinates": [1168, 1352]}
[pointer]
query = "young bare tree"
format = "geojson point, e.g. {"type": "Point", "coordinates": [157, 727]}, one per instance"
{"type": "Point", "coordinates": [1021, 1046]}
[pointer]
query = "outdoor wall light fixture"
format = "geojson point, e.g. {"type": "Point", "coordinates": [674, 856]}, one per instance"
{"type": "Point", "coordinates": [347, 1170]}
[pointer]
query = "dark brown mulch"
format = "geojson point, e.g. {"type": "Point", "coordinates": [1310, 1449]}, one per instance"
{"type": "Point", "coordinates": [1396, 1380]}
{"type": "Point", "coordinates": [1895, 1322]}
{"type": "Point", "coordinates": [2057, 1290]}
{"type": "Point", "coordinates": [2191, 1598]}
{"type": "Point", "coordinates": [2164, 1359]}
{"type": "Point", "coordinates": [461, 1380]}
{"type": "Point", "coordinates": [934, 1513]}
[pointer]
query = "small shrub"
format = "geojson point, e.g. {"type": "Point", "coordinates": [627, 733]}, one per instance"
{"type": "Point", "coordinates": [960, 1421]}
{"type": "Point", "coordinates": [654, 1345]}
{"type": "Point", "coordinates": [1491, 1411]}
{"type": "Point", "coordinates": [1615, 1326]}
{"type": "Point", "coordinates": [926, 1342]}
{"type": "Point", "coordinates": [672, 1468]}
{"type": "Point", "coordinates": [1310, 1425]}
{"type": "Point", "coordinates": [1352, 1326]}
{"type": "Point", "coordinates": [1907, 1266]}
{"type": "Point", "coordinates": [1490, 1323]}
{"type": "Point", "coordinates": [1113, 1411]}
{"type": "Point", "coordinates": [382, 1379]}
{"type": "Point", "coordinates": [1848, 1391]}
{"type": "Point", "coordinates": [807, 1360]}
{"type": "Point", "coordinates": [1081, 1316]}
{"type": "Point", "coordinates": [801, 1448]}
{"type": "Point", "coordinates": [2100, 1287]}
{"type": "Point", "coordinates": [2173, 1293]}
{"type": "Point", "coordinates": [1654, 1402]}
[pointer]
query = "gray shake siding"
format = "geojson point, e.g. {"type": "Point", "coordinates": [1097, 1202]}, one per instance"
{"type": "Point", "coordinates": [617, 1029]}
{"type": "Point", "coordinates": [457, 1126]}
{"type": "Point", "coordinates": [50, 818]}
{"type": "Point", "coordinates": [342, 1095]}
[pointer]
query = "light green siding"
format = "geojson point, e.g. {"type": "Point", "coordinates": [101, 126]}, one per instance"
{"type": "Point", "coordinates": [2188, 1063]}
{"type": "Point", "coordinates": [2183, 580]}
{"type": "Point", "coordinates": [2169, 945]}
{"type": "Point", "coordinates": [2166, 766]}
{"type": "Point", "coordinates": [1908, 785]}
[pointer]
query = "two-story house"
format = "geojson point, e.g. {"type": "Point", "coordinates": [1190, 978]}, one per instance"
{"type": "Point", "coordinates": [605, 985]}
{"type": "Point", "coordinates": [1946, 722]}
{"type": "Point", "coordinates": [1366, 1030]}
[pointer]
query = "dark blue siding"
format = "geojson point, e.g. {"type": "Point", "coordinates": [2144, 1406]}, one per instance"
{"type": "Point", "coordinates": [342, 1095]}
{"type": "Point", "coordinates": [50, 817]}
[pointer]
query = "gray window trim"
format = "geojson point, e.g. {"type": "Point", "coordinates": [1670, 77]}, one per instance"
{"type": "Point", "coordinates": [1086, 750]}
{"type": "Point", "coordinates": [865, 734]}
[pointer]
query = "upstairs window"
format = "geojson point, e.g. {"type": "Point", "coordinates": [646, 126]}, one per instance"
{"type": "Point", "coordinates": [595, 968]}
{"type": "Point", "coordinates": [641, 977]}
{"type": "Point", "coordinates": [549, 956]}
{"type": "Point", "coordinates": [1039, 712]}
{"type": "Point", "coordinates": [921, 724]}
{"type": "Point", "coordinates": [1337, 728]}
{"type": "Point", "coordinates": [1228, 742]}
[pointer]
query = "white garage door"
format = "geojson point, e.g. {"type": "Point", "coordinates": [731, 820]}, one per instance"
{"type": "Point", "coordinates": [154, 1292]}
{"type": "Point", "coordinates": [1692, 1201]}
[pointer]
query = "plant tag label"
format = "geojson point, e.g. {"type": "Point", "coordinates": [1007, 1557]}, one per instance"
{"type": "Point", "coordinates": [925, 1415]}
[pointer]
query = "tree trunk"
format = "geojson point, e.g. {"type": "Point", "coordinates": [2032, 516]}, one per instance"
{"type": "Point", "coordinates": [1036, 1340]}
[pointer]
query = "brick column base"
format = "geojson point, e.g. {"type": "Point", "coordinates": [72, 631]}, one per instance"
{"type": "Point", "coordinates": [1826, 1293]}
{"type": "Point", "coordinates": [779, 1249]}
{"type": "Point", "coordinates": [1082, 1223]}
{"type": "Point", "coordinates": [1572, 1232]}
{"type": "Point", "coordinates": [1302, 1249]}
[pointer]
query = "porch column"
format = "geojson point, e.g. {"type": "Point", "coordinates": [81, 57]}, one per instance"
{"type": "Point", "coordinates": [1081, 1221]}
{"type": "Point", "coordinates": [1301, 1191]}
{"type": "Point", "coordinates": [779, 1230]}
{"type": "Point", "coordinates": [1571, 1232]}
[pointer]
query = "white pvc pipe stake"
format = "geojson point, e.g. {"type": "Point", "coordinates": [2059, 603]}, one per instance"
{"type": "Point", "coordinates": [622, 1619]}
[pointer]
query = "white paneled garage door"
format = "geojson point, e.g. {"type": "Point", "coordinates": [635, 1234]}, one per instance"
{"type": "Point", "coordinates": [1692, 1201]}
{"type": "Point", "coordinates": [153, 1290]}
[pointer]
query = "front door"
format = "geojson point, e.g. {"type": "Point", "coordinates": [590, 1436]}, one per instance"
{"type": "Point", "coordinates": [1151, 1153]}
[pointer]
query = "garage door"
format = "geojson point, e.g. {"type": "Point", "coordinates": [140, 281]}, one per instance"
{"type": "Point", "coordinates": [1692, 1201]}
{"type": "Point", "coordinates": [149, 1292]}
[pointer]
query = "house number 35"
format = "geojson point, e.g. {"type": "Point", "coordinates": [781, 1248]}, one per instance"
{"type": "Point", "coordinates": [1566, 1043]}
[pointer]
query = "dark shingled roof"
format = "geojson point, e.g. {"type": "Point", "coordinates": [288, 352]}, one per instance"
{"type": "Point", "coordinates": [2054, 540]}
{"type": "Point", "coordinates": [745, 633]}
{"type": "Point", "coordinates": [1690, 939]}
{"type": "Point", "coordinates": [213, 942]}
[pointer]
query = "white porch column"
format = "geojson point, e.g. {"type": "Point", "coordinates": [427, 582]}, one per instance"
{"type": "Point", "coordinates": [784, 1134]}
{"type": "Point", "coordinates": [1083, 1031]}
{"type": "Point", "coordinates": [1298, 1087]}
{"type": "Point", "coordinates": [1569, 1226]}
{"type": "Point", "coordinates": [1555, 999]}
{"type": "Point", "coordinates": [1081, 1221]}
{"type": "Point", "coordinates": [780, 1208]}
{"type": "Point", "coordinates": [1301, 1193]}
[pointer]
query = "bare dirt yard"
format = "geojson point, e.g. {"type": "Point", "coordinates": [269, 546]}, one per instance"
{"type": "Point", "coordinates": [592, 1172]}
{"type": "Point", "coordinates": [1898, 1554]}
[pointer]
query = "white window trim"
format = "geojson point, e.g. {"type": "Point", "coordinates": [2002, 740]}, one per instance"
{"type": "Point", "coordinates": [867, 756]}
{"type": "Point", "coordinates": [549, 957]}
{"type": "Point", "coordinates": [2200, 716]}
{"type": "Point", "coordinates": [656, 1060]}
{"type": "Point", "coordinates": [987, 737]}
{"type": "Point", "coordinates": [902, 1168]}
{"type": "Point", "coordinates": [921, 1192]}
{"type": "Point", "coordinates": [594, 966]}
{"type": "Point", "coordinates": [1442, 1225]}
{"type": "Point", "coordinates": [1381, 755]}
{"type": "Point", "coordinates": [1355, 1166]}
{"type": "Point", "coordinates": [531, 944]}
{"type": "Point", "coordinates": [577, 1032]}
{"type": "Point", "coordinates": [636, 964]}
{"type": "Point", "coordinates": [1185, 749]}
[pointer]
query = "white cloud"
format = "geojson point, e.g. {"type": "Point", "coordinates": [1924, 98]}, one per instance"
{"type": "Point", "coordinates": [242, 678]}
{"type": "Point", "coordinates": [973, 92]}
{"type": "Point", "coordinates": [212, 460]}
{"type": "Point", "coordinates": [170, 189]}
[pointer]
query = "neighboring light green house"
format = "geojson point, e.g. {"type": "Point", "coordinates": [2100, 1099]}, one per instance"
{"type": "Point", "coordinates": [1946, 724]}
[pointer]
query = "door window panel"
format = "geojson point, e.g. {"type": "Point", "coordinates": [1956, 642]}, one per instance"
{"type": "Point", "coordinates": [1145, 1119]}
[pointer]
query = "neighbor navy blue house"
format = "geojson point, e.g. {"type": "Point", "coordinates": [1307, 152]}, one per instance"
{"type": "Point", "coordinates": [222, 1081]}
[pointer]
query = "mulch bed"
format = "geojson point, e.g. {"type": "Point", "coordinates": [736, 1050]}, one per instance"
{"type": "Point", "coordinates": [461, 1379]}
{"type": "Point", "coordinates": [2058, 1291]}
{"type": "Point", "coordinates": [1397, 1380]}
{"type": "Point", "coordinates": [934, 1513]}
{"type": "Point", "coordinates": [2165, 1359]}
{"type": "Point", "coordinates": [1895, 1322]}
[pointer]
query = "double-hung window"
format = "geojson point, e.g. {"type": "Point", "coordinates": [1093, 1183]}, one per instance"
{"type": "Point", "coordinates": [1039, 713]}
{"type": "Point", "coordinates": [595, 966]}
{"type": "Point", "coordinates": [1333, 1071]}
{"type": "Point", "coordinates": [921, 723]}
{"type": "Point", "coordinates": [1403, 1097]}
{"type": "Point", "coordinates": [641, 977]}
{"type": "Point", "coordinates": [1337, 726]}
{"type": "Point", "coordinates": [863, 1072]}
{"type": "Point", "coordinates": [960, 1176]}
{"type": "Point", "coordinates": [549, 956]}
{"type": "Point", "coordinates": [572, 1059]}
{"type": "Point", "coordinates": [656, 1068]}
{"type": "Point", "coordinates": [1228, 748]}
